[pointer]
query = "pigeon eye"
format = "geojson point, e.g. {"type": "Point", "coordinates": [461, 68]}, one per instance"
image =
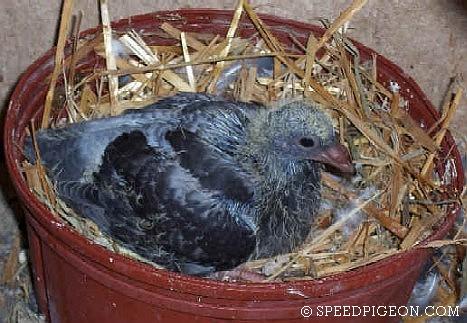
{"type": "Point", "coordinates": [307, 142]}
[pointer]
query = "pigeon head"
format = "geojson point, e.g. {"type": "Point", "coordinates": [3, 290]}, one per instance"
{"type": "Point", "coordinates": [294, 136]}
{"type": "Point", "coordinates": [288, 146]}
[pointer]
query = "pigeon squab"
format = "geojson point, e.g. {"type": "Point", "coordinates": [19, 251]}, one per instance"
{"type": "Point", "coordinates": [197, 183]}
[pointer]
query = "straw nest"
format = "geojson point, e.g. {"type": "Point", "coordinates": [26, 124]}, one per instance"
{"type": "Point", "coordinates": [394, 202]}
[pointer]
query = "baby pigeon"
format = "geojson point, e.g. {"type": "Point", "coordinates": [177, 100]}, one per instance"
{"type": "Point", "coordinates": [194, 182]}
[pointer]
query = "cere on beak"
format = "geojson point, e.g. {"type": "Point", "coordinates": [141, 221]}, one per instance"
{"type": "Point", "coordinates": [336, 155]}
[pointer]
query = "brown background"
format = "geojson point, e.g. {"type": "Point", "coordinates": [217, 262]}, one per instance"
{"type": "Point", "coordinates": [428, 38]}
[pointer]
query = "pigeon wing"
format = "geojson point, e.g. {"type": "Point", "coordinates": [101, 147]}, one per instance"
{"type": "Point", "coordinates": [179, 217]}
{"type": "Point", "coordinates": [74, 152]}
{"type": "Point", "coordinates": [137, 176]}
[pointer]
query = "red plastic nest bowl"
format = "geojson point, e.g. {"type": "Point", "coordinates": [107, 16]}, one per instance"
{"type": "Point", "coordinates": [78, 281]}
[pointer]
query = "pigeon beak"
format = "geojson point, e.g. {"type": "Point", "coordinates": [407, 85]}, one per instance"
{"type": "Point", "coordinates": [336, 156]}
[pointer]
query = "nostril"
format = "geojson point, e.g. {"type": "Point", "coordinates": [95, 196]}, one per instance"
{"type": "Point", "coordinates": [307, 142]}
